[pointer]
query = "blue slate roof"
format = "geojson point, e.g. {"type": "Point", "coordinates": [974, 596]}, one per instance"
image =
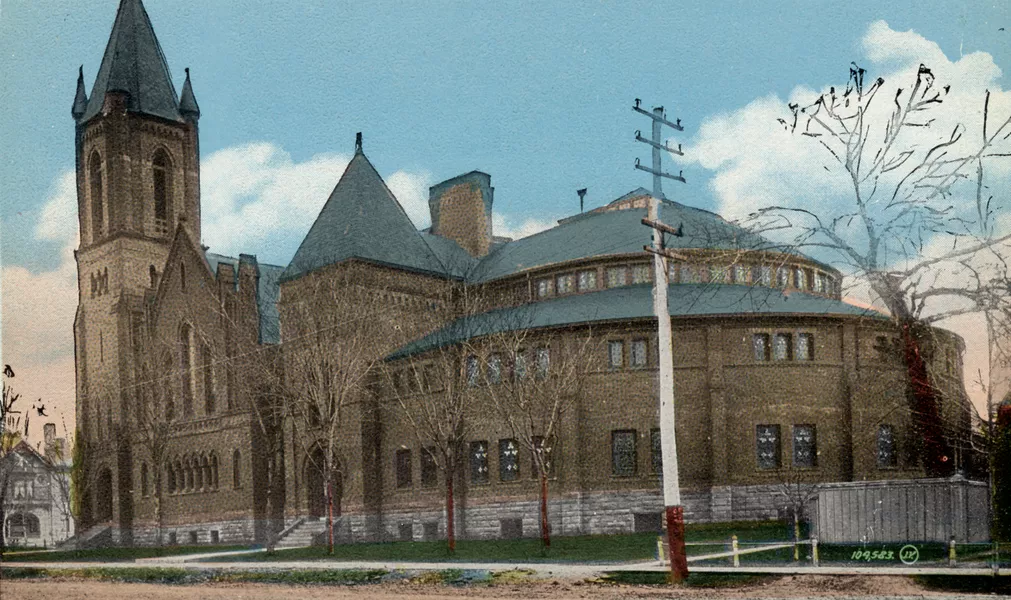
{"type": "Point", "coordinates": [268, 292]}
{"type": "Point", "coordinates": [362, 219]}
{"type": "Point", "coordinates": [636, 302]}
{"type": "Point", "coordinates": [613, 232]}
{"type": "Point", "coordinates": [134, 63]}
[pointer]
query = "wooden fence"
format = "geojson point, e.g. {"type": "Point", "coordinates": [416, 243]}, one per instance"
{"type": "Point", "coordinates": [916, 510]}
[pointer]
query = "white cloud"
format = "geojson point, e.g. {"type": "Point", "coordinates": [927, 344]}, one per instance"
{"type": "Point", "coordinates": [38, 315]}
{"type": "Point", "coordinates": [756, 163]}
{"type": "Point", "coordinates": [517, 228]}
{"type": "Point", "coordinates": [411, 190]}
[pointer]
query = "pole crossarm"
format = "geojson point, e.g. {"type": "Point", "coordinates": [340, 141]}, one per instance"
{"type": "Point", "coordinates": [663, 227]}
{"type": "Point", "coordinates": [639, 138]}
{"type": "Point", "coordinates": [660, 173]}
{"type": "Point", "coordinates": [660, 118]}
{"type": "Point", "coordinates": [665, 253]}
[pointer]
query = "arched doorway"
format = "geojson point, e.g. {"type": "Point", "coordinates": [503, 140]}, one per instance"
{"type": "Point", "coordinates": [315, 492]}
{"type": "Point", "coordinates": [103, 496]}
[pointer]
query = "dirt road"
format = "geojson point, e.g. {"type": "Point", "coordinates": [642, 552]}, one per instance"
{"type": "Point", "coordinates": [786, 587]}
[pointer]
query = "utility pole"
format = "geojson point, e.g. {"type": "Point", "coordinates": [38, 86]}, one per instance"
{"type": "Point", "coordinates": [673, 510]}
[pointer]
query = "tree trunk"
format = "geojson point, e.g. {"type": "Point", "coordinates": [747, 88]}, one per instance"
{"type": "Point", "coordinates": [796, 534]}
{"type": "Point", "coordinates": [450, 514]}
{"type": "Point", "coordinates": [159, 516]}
{"type": "Point", "coordinates": [329, 515]}
{"type": "Point", "coordinates": [3, 524]}
{"type": "Point", "coordinates": [545, 531]}
{"type": "Point", "coordinates": [938, 460]}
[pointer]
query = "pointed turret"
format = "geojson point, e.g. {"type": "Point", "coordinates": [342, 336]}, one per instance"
{"type": "Point", "coordinates": [81, 98]}
{"type": "Point", "coordinates": [188, 106]}
{"type": "Point", "coordinates": [362, 219]}
{"type": "Point", "coordinates": [135, 65]}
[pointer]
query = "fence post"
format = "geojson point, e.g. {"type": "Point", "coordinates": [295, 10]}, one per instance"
{"type": "Point", "coordinates": [996, 558]}
{"type": "Point", "coordinates": [660, 555]}
{"type": "Point", "coordinates": [814, 551]}
{"type": "Point", "coordinates": [951, 552]}
{"type": "Point", "coordinates": [733, 548]}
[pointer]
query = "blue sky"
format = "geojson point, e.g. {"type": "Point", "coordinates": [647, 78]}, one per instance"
{"type": "Point", "coordinates": [536, 94]}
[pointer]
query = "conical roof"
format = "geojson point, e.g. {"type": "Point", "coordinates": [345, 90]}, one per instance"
{"type": "Point", "coordinates": [81, 97]}
{"type": "Point", "coordinates": [134, 63]}
{"type": "Point", "coordinates": [188, 102]}
{"type": "Point", "coordinates": [362, 219]}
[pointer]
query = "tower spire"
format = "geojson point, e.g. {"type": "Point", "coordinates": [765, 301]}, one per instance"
{"type": "Point", "coordinates": [188, 102]}
{"type": "Point", "coordinates": [134, 64]}
{"type": "Point", "coordinates": [81, 98]}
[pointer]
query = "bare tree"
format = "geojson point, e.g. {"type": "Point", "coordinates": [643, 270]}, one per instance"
{"type": "Point", "coordinates": [154, 432]}
{"type": "Point", "coordinates": [10, 435]}
{"type": "Point", "coordinates": [336, 333]}
{"type": "Point", "coordinates": [905, 179]}
{"type": "Point", "coordinates": [797, 491]}
{"type": "Point", "coordinates": [532, 380]}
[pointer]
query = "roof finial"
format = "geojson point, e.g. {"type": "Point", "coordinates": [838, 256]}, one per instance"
{"type": "Point", "coordinates": [582, 194]}
{"type": "Point", "coordinates": [358, 143]}
{"type": "Point", "coordinates": [80, 98]}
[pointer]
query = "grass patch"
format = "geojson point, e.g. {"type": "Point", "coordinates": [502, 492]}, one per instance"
{"type": "Point", "coordinates": [584, 549]}
{"type": "Point", "coordinates": [695, 580]}
{"type": "Point", "coordinates": [183, 576]}
{"type": "Point", "coordinates": [112, 554]}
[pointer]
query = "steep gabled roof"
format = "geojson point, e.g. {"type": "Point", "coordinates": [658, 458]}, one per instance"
{"type": "Point", "coordinates": [134, 63]}
{"type": "Point", "coordinates": [362, 219]}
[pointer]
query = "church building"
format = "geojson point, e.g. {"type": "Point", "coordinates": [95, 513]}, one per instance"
{"type": "Point", "coordinates": [224, 400]}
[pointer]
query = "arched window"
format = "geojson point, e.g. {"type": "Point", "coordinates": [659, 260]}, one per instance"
{"type": "Point", "coordinates": [214, 471]}
{"type": "Point", "coordinates": [161, 168]}
{"type": "Point", "coordinates": [143, 479]}
{"type": "Point", "coordinates": [22, 525]}
{"type": "Point", "coordinates": [198, 473]}
{"type": "Point", "coordinates": [153, 273]}
{"type": "Point", "coordinates": [97, 196]}
{"type": "Point", "coordinates": [170, 405]}
{"type": "Point", "coordinates": [186, 367]}
{"type": "Point", "coordinates": [170, 478]}
{"type": "Point", "coordinates": [189, 474]}
{"type": "Point", "coordinates": [205, 467]}
{"type": "Point", "coordinates": [236, 470]}
{"type": "Point", "coordinates": [207, 366]}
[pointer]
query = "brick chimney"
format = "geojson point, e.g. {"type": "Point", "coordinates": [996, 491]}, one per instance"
{"type": "Point", "coordinates": [461, 211]}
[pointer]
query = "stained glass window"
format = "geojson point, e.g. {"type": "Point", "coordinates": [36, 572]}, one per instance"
{"type": "Point", "coordinates": [587, 280]}
{"type": "Point", "coordinates": [508, 460]}
{"type": "Point", "coordinates": [545, 288]}
{"type": "Point", "coordinates": [616, 276]}
{"type": "Point", "coordinates": [800, 278]}
{"type": "Point", "coordinates": [473, 371]}
{"type": "Point", "coordinates": [805, 347]}
{"type": "Point", "coordinates": [719, 274]}
{"type": "Point", "coordinates": [623, 456]}
{"type": "Point", "coordinates": [819, 282]}
{"type": "Point", "coordinates": [805, 446]}
{"type": "Point", "coordinates": [520, 365]}
{"type": "Point", "coordinates": [782, 346]}
{"type": "Point", "coordinates": [402, 468]}
{"type": "Point", "coordinates": [640, 274]}
{"type": "Point", "coordinates": [638, 354]}
{"type": "Point", "coordinates": [691, 273]}
{"type": "Point", "coordinates": [543, 362]}
{"type": "Point", "coordinates": [655, 450]}
{"type": "Point", "coordinates": [783, 277]}
{"type": "Point", "coordinates": [767, 446]}
{"type": "Point", "coordinates": [740, 274]}
{"type": "Point", "coordinates": [479, 462]}
{"type": "Point", "coordinates": [429, 468]}
{"type": "Point", "coordinates": [887, 456]}
{"type": "Point", "coordinates": [565, 283]}
{"type": "Point", "coordinates": [495, 368]}
{"type": "Point", "coordinates": [760, 345]}
{"type": "Point", "coordinates": [616, 354]}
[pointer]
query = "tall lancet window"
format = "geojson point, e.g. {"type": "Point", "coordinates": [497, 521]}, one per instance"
{"type": "Point", "coordinates": [161, 168]}
{"type": "Point", "coordinates": [97, 196]}
{"type": "Point", "coordinates": [186, 367]}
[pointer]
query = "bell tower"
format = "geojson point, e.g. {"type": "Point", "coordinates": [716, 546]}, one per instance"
{"type": "Point", "coordinates": [138, 180]}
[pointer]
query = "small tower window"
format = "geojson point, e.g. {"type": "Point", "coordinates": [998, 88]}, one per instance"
{"type": "Point", "coordinates": [161, 168]}
{"type": "Point", "coordinates": [97, 197]}
{"type": "Point", "coordinates": [236, 470]}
